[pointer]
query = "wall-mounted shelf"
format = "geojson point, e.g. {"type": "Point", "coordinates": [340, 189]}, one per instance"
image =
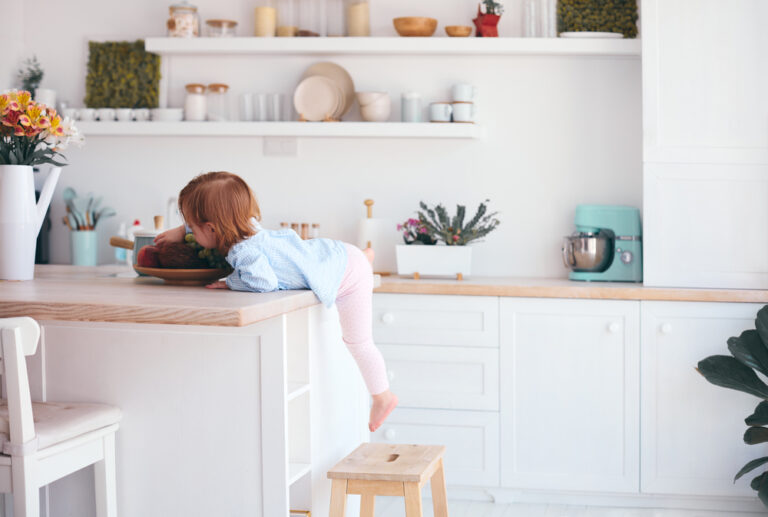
{"type": "Point", "coordinates": [396, 46]}
{"type": "Point", "coordinates": [296, 129]}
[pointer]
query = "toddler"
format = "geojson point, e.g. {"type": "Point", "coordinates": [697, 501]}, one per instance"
{"type": "Point", "coordinates": [221, 211]}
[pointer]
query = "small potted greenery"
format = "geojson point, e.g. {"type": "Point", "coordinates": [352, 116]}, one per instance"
{"type": "Point", "coordinates": [436, 243]}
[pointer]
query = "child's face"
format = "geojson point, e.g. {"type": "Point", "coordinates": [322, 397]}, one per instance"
{"type": "Point", "coordinates": [205, 234]}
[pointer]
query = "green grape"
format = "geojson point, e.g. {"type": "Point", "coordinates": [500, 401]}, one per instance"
{"type": "Point", "coordinates": [190, 238]}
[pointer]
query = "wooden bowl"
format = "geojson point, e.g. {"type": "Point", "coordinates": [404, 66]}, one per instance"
{"type": "Point", "coordinates": [417, 26]}
{"type": "Point", "coordinates": [458, 31]}
{"type": "Point", "coordinates": [185, 276]}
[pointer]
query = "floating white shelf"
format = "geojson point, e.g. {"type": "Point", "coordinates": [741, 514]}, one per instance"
{"type": "Point", "coordinates": [396, 45]}
{"type": "Point", "coordinates": [297, 129]}
{"type": "Point", "coordinates": [296, 389]}
{"type": "Point", "coordinates": [296, 471]}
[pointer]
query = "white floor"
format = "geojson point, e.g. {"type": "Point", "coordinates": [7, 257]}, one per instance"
{"type": "Point", "coordinates": [393, 507]}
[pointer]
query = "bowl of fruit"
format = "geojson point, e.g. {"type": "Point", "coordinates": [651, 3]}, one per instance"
{"type": "Point", "coordinates": [182, 263]}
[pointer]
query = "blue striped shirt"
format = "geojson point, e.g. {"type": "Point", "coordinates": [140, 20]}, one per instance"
{"type": "Point", "coordinates": [272, 260]}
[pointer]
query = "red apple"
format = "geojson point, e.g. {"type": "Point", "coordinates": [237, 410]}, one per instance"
{"type": "Point", "coordinates": [148, 257]}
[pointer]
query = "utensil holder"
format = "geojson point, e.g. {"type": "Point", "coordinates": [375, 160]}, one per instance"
{"type": "Point", "coordinates": [83, 247]}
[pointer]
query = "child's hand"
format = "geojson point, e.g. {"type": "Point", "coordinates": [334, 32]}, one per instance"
{"type": "Point", "coordinates": [221, 284]}
{"type": "Point", "coordinates": [172, 235]}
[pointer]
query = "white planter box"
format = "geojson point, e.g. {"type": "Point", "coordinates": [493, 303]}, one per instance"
{"type": "Point", "coordinates": [433, 260]}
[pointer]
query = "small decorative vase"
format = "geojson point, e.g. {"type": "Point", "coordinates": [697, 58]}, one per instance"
{"type": "Point", "coordinates": [438, 260]}
{"type": "Point", "coordinates": [486, 24]}
{"type": "Point", "coordinates": [21, 218]}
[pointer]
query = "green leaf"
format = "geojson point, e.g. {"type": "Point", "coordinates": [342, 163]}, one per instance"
{"type": "Point", "coordinates": [762, 492]}
{"type": "Point", "coordinates": [761, 323]}
{"type": "Point", "coordinates": [755, 483]}
{"type": "Point", "coordinates": [750, 350]}
{"type": "Point", "coordinates": [760, 416]}
{"type": "Point", "coordinates": [755, 435]}
{"type": "Point", "coordinates": [752, 465]}
{"type": "Point", "coordinates": [728, 372]}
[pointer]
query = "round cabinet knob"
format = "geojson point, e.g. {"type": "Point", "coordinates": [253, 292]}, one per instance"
{"type": "Point", "coordinates": [389, 434]}
{"type": "Point", "coordinates": [390, 375]}
{"type": "Point", "coordinates": [614, 327]}
{"type": "Point", "coordinates": [666, 328]}
{"type": "Point", "coordinates": [387, 318]}
{"type": "Point", "coordinates": [626, 257]}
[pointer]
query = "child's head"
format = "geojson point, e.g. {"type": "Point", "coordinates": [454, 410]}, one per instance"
{"type": "Point", "coordinates": [218, 206]}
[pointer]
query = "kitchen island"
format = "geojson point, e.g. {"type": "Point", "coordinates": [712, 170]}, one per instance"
{"type": "Point", "coordinates": [233, 403]}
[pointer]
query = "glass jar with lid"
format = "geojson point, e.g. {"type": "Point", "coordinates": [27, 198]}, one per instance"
{"type": "Point", "coordinates": [310, 20]}
{"type": "Point", "coordinates": [184, 21]}
{"type": "Point", "coordinates": [220, 28]}
{"type": "Point", "coordinates": [195, 108]}
{"type": "Point", "coordinates": [358, 17]}
{"type": "Point", "coordinates": [334, 18]}
{"type": "Point", "coordinates": [287, 22]}
{"type": "Point", "coordinates": [218, 102]}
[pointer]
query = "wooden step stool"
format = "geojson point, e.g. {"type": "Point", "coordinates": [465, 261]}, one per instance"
{"type": "Point", "coordinates": [389, 469]}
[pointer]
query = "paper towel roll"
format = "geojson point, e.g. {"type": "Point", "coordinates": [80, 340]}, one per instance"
{"type": "Point", "coordinates": [382, 235]}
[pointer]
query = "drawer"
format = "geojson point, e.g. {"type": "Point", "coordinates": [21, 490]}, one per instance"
{"type": "Point", "coordinates": [419, 319]}
{"type": "Point", "coordinates": [471, 439]}
{"type": "Point", "coordinates": [443, 377]}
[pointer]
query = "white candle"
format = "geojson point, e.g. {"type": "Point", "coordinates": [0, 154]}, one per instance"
{"type": "Point", "coordinates": [265, 21]}
{"type": "Point", "coordinates": [358, 20]}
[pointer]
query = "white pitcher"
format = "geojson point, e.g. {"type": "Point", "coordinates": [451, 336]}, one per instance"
{"type": "Point", "coordinates": [21, 218]}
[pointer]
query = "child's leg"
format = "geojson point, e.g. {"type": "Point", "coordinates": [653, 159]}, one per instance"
{"type": "Point", "coordinates": [355, 306]}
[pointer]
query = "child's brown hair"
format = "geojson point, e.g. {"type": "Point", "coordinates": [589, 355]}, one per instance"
{"type": "Point", "coordinates": [224, 200]}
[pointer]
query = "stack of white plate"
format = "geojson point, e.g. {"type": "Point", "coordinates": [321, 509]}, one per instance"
{"type": "Point", "coordinates": [326, 92]}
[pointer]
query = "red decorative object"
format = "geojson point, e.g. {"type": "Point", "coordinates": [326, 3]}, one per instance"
{"type": "Point", "coordinates": [486, 24]}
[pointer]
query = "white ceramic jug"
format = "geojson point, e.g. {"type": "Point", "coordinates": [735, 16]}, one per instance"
{"type": "Point", "coordinates": [21, 218]}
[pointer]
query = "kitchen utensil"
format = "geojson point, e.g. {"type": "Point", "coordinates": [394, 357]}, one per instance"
{"type": "Point", "coordinates": [316, 98]}
{"type": "Point", "coordinates": [463, 92]}
{"type": "Point", "coordinates": [463, 112]}
{"type": "Point", "coordinates": [418, 26]}
{"type": "Point", "coordinates": [184, 276]}
{"type": "Point", "coordinates": [339, 76]}
{"type": "Point", "coordinates": [440, 112]}
{"type": "Point", "coordinates": [458, 31]}
{"type": "Point", "coordinates": [606, 245]}
{"type": "Point", "coordinates": [104, 212]}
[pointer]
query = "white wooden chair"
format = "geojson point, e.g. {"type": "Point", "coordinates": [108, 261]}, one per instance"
{"type": "Point", "coordinates": [42, 441]}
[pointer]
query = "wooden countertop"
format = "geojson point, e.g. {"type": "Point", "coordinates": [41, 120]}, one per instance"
{"type": "Point", "coordinates": [563, 288]}
{"type": "Point", "coordinates": [72, 293]}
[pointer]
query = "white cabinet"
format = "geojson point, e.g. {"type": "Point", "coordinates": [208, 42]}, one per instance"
{"type": "Point", "coordinates": [692, 430]}
{"type": "Point", "coordinates": [570, 394]}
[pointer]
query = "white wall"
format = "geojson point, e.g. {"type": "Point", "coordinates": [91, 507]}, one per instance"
{"type": "Point", "coordinates": [560, 131]}
{"type": "Point", "coordinates": [12, 43]}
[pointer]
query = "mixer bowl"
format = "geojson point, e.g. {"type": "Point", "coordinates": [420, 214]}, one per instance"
{"type": "Point", "coordinates": [592, 252]}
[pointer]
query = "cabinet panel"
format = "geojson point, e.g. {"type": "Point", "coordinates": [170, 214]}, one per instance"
{"type": "Point", "coordinates": [570, 394]}
{"type": "Point", "coordinates": [443, 377]}
{"type": "Point", "coordinates": [418, 319]}
{"type": "Point", "coordinates": [692, 430]}
{"type": "Point", "coordinates": [471, 439]}
{"type": "Point", "coordinates": [703, 94]}
{"type": "Point", "coordinates": [706, 226]}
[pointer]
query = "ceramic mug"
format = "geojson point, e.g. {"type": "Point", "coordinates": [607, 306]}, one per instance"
{"type": "Point", "coordinates": [463, 112]}
{"type": "Point", "coordinates": [87, 114]}
{"type": "Point", "coordinates": [440, 112]}
{"type": "Point", "coordinates": [463, 92]}
{"type": "Point", "coordinates": [105, 114]}
{"type": "Point", "coordinates": [141, 114]}
{"type": "Point", "coordinates": [124, 114]}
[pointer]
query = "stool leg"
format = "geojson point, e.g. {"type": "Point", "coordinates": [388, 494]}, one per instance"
{"type": "Point", "coordinates": [366, 505]}
{"type": "Point", "coordinates": [412, 500]}
{"type": "Point", "coordinates": [439, 497]}
{"type": "Point", "coordinates": [338, 498]}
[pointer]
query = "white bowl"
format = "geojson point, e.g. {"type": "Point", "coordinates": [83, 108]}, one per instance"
{"type": "Point", "coordinates": [376, 112]}
{"type": "Point", "coordinates": [168, 114]}
{"type": "Point", "coordinates": [367, 98]}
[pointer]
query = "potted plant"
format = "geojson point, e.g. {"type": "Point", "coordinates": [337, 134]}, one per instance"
{"type": "Point", "coordinates": [750, 354]}
{"type": "Point", "coordinates": [488, 15]}
{"type": "Point", "coordinates": [30, 134]}
{"type": "Point", "coordinates": [450, 255]}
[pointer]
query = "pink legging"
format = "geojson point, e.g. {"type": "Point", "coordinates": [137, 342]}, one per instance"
{"type": "Point", "coordinates": [355, 305]}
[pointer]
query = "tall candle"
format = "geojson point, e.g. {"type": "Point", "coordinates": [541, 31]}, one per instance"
{"type": "Point", "coordinates": [265, 21]}
{"type": "Point", "coordinates": [358, 19]}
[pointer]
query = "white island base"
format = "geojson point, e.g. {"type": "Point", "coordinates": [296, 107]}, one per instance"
{"type": "Point", "coordinates": [218, 421]}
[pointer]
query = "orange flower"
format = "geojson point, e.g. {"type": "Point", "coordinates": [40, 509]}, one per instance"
{"type": "Point", "coordinates": [11, 118]}
{"type": "Point", "coordinates": [23, 98]}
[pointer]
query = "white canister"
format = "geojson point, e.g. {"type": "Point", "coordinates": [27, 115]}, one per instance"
{"type": "Point", "coordinates": [45, 96]}
{"type": "Point", "coordinates": [195, 105]}
{"type": "Point", "coordinates": [440, 112]}
{"type": "Point", "coordinates": [464, 112]}
{"type": "Point", "coordinates": [410, 107]}
{"type": "Point", "coordinates": [463, 92]}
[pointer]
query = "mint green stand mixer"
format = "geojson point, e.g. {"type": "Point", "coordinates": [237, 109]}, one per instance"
{"type": "Point", "coordinates": [606, 246]}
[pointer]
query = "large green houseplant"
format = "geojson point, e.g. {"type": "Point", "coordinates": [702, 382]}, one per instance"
{"type": "Point", "coordinates": [750, 354]}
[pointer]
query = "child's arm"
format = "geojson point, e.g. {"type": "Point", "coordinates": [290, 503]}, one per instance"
{"type": "Point", "coordinates": [252, 272]}
{"type": "Point", "coordinates": [173, 235]}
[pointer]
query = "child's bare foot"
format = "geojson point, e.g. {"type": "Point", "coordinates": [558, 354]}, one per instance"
{"type": "Point", "coordinates": [382, 406]}
{"type": "Point", "coordinates": [369, 254]}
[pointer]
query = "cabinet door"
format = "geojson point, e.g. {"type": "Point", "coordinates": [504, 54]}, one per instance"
{"type": "Point", "coordinates": [570, 394]}
{"type": "Point", "coordinates": [704, 81]}
{"type": "Point", "coordinates": [692, 430]}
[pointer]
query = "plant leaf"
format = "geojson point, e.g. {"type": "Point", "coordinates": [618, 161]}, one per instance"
{"type": "Point", "coordinates": [755, 435]}
{"type": "Point", "coordinates": [728, 372]}
{"type": "Point", "coordinates": [762, 492]}
{"type": "Point", "coordinates": [750, 350]}
{"type": "Point", "coordinates": [752, 465]}
{"type": "Point", "coordinates": [755, 483]}
{"type": "Point", "coordinates": [761, 323]}
{"type": "Point", "coordinates": [760, 416]}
